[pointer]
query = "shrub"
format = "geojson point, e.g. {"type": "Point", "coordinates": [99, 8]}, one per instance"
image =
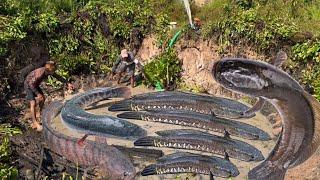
{"type": "Point", "coordinates": [164, 69]}
{"type": "Point", "coordinates": [7, 171]}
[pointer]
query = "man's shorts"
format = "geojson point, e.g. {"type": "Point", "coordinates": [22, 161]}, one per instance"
{"type": "Point", "coordinates": [30, 95]}
{"type": "Point", "coordinates": [123, 67]}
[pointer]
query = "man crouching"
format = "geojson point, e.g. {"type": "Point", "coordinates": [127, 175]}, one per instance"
{"type": "Point", "coordinates": [34, 92]}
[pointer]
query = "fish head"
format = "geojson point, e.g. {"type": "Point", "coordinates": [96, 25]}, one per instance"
{"type": "Point", "coordinates": [119, 166]}
{"type": "Point", "coordinates": [241, 75]}
{"type": "Point", "coordinates": [251, 77]}
{"type": "Point", "coordinates": [225, 169]}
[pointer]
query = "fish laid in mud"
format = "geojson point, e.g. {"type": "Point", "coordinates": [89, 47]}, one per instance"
{"type": "Point", "coordinates": [202, 121]}
{"type": "Point", "coordinates": [299, 111]}
{"type": "Point", "coordinates": [76, 118]}
{"type": "Point", "coordinates": [170, 100]}
{"type": "Point", "coordinates": [110, 162]}
{"type": "Point", "coordinates": [183, 162]}
{"type": "Point", "coordinates": [201, 141]}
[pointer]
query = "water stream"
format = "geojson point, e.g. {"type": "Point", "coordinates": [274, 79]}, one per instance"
{"type": "Point", "coordinates": [187, 6]}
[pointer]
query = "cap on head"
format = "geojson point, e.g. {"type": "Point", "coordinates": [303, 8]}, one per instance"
{"type": "Point", "coordinates": [196, 19]}
{"type": "Point", "coordinates": [124, 53]}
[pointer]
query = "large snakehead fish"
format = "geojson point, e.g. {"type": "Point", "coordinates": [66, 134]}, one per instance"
{"type": "Point", "coordinates": [299, 111]}
{"type": "Point", "coordinates": [202, 141]}
{"type": "Point", "coordinates": [110, 162]}
{"type": "Point", "coordinates": [76, 118]}
{"type": "Point", "coordinates": [202, 121]}
{"type": "Point", "coordinates": [174, 100]}
{"type": "Point", "coordinates": [183, 162]}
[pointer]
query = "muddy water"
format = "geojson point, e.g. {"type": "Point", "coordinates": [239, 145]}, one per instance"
{"type": "Point", "coordinates": [259, 121]}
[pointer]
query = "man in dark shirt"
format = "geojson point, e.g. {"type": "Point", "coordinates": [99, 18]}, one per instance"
{"type": "Point", "coordinates": [33, 90]}
{"type": "Point", "coordinates": [125, 64]}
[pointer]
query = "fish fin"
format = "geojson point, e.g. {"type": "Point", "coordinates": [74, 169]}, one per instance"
{"type": "Point", "coordinates": [81, 141]}
{"type": "Point", "coordinates": [256, 107]}
{"type": "Point", "coordinates": [149, 170]}
{"type": "Point", "coordinates": [280, 58]}
{"type": "Point", "coordinates": [131, 115]}
{"type": "Point", "coordinates": [145, 141]}
{"type": "Point", "coordinates": [226, 134]}
{"type": "Point", "coordinates": [124, 105]}
{"type": "Point", "coordinates": [314, 146]}
{"type": "Point", "coordinates": [226, 156]}
{"type": "Point", "coordinates": [266, 171]}
{"type": "Point", "coordinates": [211, 176]}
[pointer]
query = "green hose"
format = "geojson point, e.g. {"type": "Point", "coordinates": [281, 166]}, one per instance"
{"type": "Point", "coordinates": [174, 39]}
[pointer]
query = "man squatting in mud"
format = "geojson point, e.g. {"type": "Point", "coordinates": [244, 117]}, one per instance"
{"type": "Point", "coordinates": [33, 90]}
{"type": "Point", "coordinates": [125, 64]}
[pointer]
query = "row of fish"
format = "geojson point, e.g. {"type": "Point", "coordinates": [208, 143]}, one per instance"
{"type": "Point", "coordinates": [183, 109]}
{"type": "Point", "coordinates": [76, 118]}
{"type": "Point", "coordinates": [173, 100]}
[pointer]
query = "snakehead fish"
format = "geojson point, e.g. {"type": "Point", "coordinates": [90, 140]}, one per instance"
{"type": "Point", "coordinates": [299, 111]}
{"type": "Point", "coordinates": [202, 121]}
{"type": "Point", "coordinates": [183, 162]}
{"type": "Point", "coordinates": [110, 162]}
{"type": "Point", "coordinates": [170, 100]}
{"type": "Point", "coordinates": [201, 141]}
{"type": "Point", "coordinates": [75, 118]}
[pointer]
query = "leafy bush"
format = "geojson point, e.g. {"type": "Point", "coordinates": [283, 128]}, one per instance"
{"type": "Point", "coordinates": [307, 58]}
{"type": "Point", "coordinates": [164, 69]}
{"type": "Point", "coordinates": [46, 22]}
{"type": "Point", "coordinates": [6, 171]}
{"type": "Point", "coordinates": [245, 25]}
{"type": "Point", "coordinates": [307, 52]}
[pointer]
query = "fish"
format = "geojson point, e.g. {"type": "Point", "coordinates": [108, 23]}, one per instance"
{"type": "Point", "coordinates": [77, 119]}
{"type": "Point", "coordinates": [277, 62]}
{"type": "Point", "coordinates": [299, 111]}
{"type": "Point", "coordinates": [111, 163]}
{"type": "Point", "coordinates": [171, 100]}
{"type": "Point", "coordinates": [201, 141]}
{"type": "Point", "coordinates": [201, 121]}
{"type": "Point", "coordinates": [183, 162]}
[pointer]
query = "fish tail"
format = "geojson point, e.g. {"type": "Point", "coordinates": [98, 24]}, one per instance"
{"type": "Point", "coordinates": [145, 141]}
{"type": "Point", "coordinates": [149, 170]}
{"type": "Point", "coordinates": [266, 171]}
{"type": "Point", "coordinates": [124, 105]}
{"type": "Point", "coordinates": [130, 115]}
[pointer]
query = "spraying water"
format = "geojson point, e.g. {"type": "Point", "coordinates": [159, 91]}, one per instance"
{"type": "Point", "coordinates": [187, 6]}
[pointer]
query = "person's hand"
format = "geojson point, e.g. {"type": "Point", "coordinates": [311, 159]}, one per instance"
{"type": "Point", "coordinates": [70, 86]}
{"type": "Point", "coordinates": [111, 76]}
{"type": "Point", "coordinates": [40, 97]}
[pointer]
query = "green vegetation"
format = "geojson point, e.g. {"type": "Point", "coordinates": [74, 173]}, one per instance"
{"type": "Point", "coordinates": [164, 69]}
{"type": "Point", "coordinates": [306, 57]}
{"type": "Point", "coordinates": [7, 171]}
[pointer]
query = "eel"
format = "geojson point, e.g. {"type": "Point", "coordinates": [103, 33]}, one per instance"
{"type": "Point", "coordinates": [110, 162]}
{"type": "Point", "coordinates": [76, 118]}
{"type": "Point", "coordinates": [202, 121]}
{"type": "Point", "coordinates": [171, 100]}
{"type": "Point", "coordinates": [201, 141]}
{"type": "Point", "coordinates": [298, 110]}
{"type": "Point", "coordinates": [183, 162]}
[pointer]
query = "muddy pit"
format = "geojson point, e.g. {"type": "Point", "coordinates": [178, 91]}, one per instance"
{"type": "Point", "coordinates": [101, 108]}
